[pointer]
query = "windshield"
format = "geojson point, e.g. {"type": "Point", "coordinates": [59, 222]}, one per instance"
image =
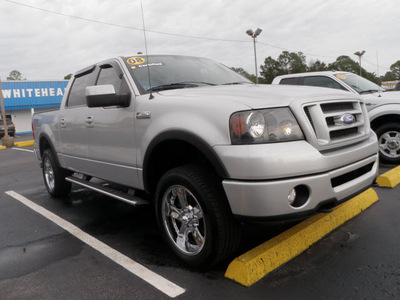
{"type": "Point", "coordinates": [174, 72]}
{"type": "Point", "coordinates": [359, 84]}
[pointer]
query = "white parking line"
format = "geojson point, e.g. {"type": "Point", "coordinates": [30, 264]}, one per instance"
{"type": "Point", "coordinates": [21, 149]}
{"type": "Point", "coordinates": [159, 282]}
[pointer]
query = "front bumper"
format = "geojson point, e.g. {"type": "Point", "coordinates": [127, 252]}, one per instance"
{"type": "Point", "coordinates": [269, 199]}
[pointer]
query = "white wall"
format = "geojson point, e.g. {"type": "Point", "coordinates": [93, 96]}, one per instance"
{"type": "Point", "coordinates": [22, 118]}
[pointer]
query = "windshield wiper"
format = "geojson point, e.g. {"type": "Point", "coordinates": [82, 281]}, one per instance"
{"type": "Point", "coordinates": [172, 86]}
{"type": "Point", "coordinates": [238, 82]}
{"type": "Point", "coordinates": [369, 91]}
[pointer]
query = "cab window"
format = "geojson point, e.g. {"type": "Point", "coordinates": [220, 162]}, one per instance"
{"type": "Point", "coordinates": [321, 81]}
{"type": "Point", "coordinates": [292, 81]}
{"type": "Point", "coordinates": [109, 76]}
{"type": "Point", "coordinates": [77, 95]}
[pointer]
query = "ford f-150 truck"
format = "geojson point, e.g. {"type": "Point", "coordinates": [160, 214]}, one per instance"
{"type": "Point", "coordinates": [383, 107]}
{"type": "Point", "coordinates": [205, 146]}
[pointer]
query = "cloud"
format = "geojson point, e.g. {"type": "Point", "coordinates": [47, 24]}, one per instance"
{"type": "Point", "coordinates": [44, 45]}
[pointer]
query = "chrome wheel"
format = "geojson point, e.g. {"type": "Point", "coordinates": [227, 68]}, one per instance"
{"type": "Point", "coordinates": [183, 220]}
{"type": "Point", "coordinates": [389, 144]}
{"type": "Point", "coordinates": [48, 173]}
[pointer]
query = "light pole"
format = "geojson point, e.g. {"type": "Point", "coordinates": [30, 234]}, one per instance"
{"type": "Point", "coordinates": [254, 35]}
{"type": "Point", "coordinates": [359, 54]}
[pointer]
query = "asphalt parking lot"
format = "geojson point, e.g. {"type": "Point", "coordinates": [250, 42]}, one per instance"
{"type": "Point", "coordinates": [41, 260]}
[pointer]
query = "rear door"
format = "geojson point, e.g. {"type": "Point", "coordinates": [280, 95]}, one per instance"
{"type": "Point", "coordinates": [73, 123]}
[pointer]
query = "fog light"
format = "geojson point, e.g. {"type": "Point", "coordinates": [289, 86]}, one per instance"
{"type": "Point", "coordinates": [298, 196]}
{"type": "Point", "coordinates": [292, 196]}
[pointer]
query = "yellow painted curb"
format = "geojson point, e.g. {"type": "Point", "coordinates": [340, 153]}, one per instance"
{"type": "Point", "coordinates": [24, 144]}
{"type": "Point", "coordinates": [258, 262]}
{"type": "Point", "coordinates": [390, 178]}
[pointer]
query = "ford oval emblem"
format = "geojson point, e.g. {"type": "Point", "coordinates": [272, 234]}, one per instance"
{"type": "Point", "coordinates": [347, 119]}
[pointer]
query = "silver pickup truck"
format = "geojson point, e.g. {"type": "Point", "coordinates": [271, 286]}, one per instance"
{"type": "Point", "coordinates": [383, 107]}
{"type": "Point", "coordinates": [206, 147]}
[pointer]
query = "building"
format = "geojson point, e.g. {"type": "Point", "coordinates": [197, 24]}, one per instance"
{"type": "Point", "coordinates": [389, 85]}
{"type": "Point", "coordinates": [23, 98]}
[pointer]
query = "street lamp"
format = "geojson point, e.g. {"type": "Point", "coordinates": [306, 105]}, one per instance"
{"type": "Point", "coordinates": [359, 54]}
{"type": "Point", "coordinates": [254, 35]}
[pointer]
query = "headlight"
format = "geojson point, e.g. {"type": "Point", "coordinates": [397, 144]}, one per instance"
{"type": "Point", "coordinates": [264, 126]}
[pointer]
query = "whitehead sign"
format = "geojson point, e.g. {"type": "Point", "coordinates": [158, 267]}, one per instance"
{"type": "Point", "coordinates": [33, 94]}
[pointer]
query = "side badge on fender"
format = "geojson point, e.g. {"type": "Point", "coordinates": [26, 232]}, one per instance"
{"type": "Point", "coordinates": [143, 115]}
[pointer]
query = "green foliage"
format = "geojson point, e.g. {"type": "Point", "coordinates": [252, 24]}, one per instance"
{"type": "Point", "coordinates": [291, 62]}
{"type": "Point", "coordinates": [15, 75]}
{"type": "Point", "coordinates": [67, 77]}
{"type": "Point", "coordinates": [247, 75]}
{"type": "Point", "coordinates": [394, 73]}
{"type": "Point", "coordinates": [271, 69]}
{"type": "Point", "coordinates": [317, 66]}
{"type": "Point", "coordinates": [287, 62]}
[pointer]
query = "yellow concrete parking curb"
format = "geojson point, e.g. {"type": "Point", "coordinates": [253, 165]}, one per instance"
{"type": "Point", "coordinates": [24, 144]}
{"type": "Point", "coordinates": [390, 178]}
{"type": "Point", "coordinates": [20, 144]}
{"type": "Point", "coordinates": [258, 262]}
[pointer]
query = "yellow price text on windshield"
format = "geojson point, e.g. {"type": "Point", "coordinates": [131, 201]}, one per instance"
{"type": "Point", "coordinates": [136, 60]}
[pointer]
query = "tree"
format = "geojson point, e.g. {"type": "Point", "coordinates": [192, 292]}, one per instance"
{"type": "Point", "coordinates": [287, 62]}
{"type": "Point", "coordinates": [389, 76]}
{"type": "Point", "coordinates": [316, 66]}
{"type": "Point", "coordinates": [242, 72]}
{"type": "Point", "coordinates": [15, 75]}
{"type": "Point", "coordinates": [346, 64]}
{"type": "Point", "coordinates": [292, 62]}
{"type": "Point", "coordinates": [271, 69]}
{"type": "Point", "coordinates": [67, 77]}
{"type": "Point", "coordinates": [395, 69]}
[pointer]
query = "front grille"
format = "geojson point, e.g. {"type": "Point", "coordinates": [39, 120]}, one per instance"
{"type": "Point", "coordinates": [329, 107]}
{"type": "Point", "coordinates": [351, 175]}
{"type": "Point", "coordinates": [343, 133]}
{"type": "Point", "coordinates": [336, 122]}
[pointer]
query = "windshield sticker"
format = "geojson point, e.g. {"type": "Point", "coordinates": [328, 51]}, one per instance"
{"type": "Point", "coordinates": [147, 65]}
{"type": "Point", "coordinates": [135, 60]}
{"type": "Point", "coordinates": [341, 76]}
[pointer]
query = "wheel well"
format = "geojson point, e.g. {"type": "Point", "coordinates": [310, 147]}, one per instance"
{"type": "Point", "coordinates": [44, 144]}
{"type": "Point", "coordinates": [171, 154]}
{"type": "Point", "coordinates": [384, 120]}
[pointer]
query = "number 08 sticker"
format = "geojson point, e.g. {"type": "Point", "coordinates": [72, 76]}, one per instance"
{"type": "Point", "coordinates": [136, 60]}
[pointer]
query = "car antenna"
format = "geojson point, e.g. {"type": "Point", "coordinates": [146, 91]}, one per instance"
{"type": "Point", "coordinates": [147, 56]}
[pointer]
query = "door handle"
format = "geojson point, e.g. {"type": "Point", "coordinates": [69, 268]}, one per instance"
{"type": "Point", "coordinates": [63, 123]}
{"type": "Point", "coordinates": [89, 121]}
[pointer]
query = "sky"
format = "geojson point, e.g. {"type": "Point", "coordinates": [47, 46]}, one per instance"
{"type": "Point", "coordinates": [49, 39]}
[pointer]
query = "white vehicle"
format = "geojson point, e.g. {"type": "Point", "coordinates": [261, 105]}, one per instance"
{"type": "Point", "coordinates": [206, 147]}
{"type": "Point", "coordinates": [383, 107]}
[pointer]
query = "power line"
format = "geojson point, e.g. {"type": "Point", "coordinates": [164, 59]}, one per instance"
{"type": "Point", "coordinates": [165, 33]}
{"type": "Point", "coordinates": [122, 26]}
{"type": "Point", "coordinates": [286, 49]}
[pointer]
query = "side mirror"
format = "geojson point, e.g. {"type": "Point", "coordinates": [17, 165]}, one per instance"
{"type": "Point", "coordinates": [105, 96]}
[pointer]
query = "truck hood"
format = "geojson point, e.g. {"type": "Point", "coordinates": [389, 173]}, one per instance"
{"type": "Point", "coordinates": [257, 96]}
{"type": "Point", "coordinates": [382, 98]}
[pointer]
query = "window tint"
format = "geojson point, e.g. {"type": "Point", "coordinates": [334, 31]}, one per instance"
{"type": "Point", "coordinates": [293, 80]}
{"type": "Point", "coordinates": [321, 81]}
{"type": "Point", "coordinates": [77, 94]}
{"type": "Point", "coordinates": [170, 69]}
{"type": "Point", "coordinates": [109, 76]}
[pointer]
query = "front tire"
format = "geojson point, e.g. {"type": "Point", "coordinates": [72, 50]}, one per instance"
{"type": "Point", "coordinates": [389, 142]}
{"type": "Point", "coordinates": [54, 176]}
{"type": "Point", "coordinates": [194, 217]}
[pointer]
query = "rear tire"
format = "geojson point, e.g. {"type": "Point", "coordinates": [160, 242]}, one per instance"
{"type": "Point", "coordinates": [194, 217]}
{"type": "Point", "coordinates": [54, 176]}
